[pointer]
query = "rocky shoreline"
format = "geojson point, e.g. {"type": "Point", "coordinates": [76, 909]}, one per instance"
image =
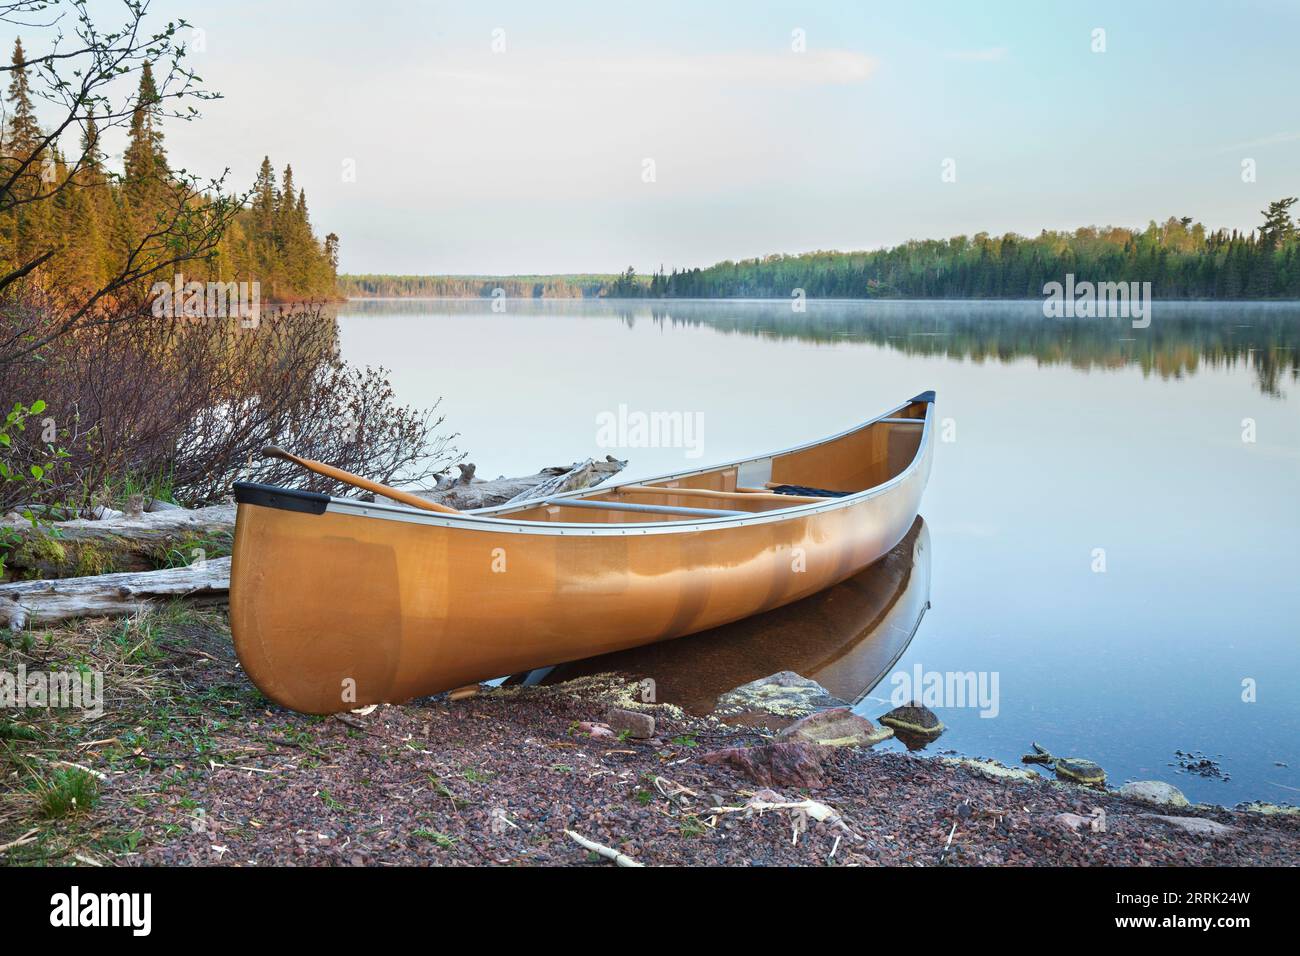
{"type": "Point", "coordinates": [195, 767]}
{"type": "Point", "coordinates": [499, 778]}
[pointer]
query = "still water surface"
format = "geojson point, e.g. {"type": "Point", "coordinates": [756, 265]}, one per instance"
{"type": "Point", "coordinates": [1064, 437]}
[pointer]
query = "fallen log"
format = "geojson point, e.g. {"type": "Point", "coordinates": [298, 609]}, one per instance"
{"type": "Point", "coordinates": [24, 603]}
{"type": "Point", "coordinates": [149, 540]}
{"type": "Point", "coordinates": [139, 542]}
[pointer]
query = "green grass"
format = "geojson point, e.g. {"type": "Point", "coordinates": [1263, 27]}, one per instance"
{"type": "Point", "coordinates": [442, 840]}
{"type": "Point", "coordinates": [330, 802]}
{"type": "Point", "coordinates": [137, 638]}
{"type": "Point", "coordinates": [12, 731]}
{"type": "Point", "coordinates": [67, 791]}
{"type": "Point", "coordinates": [691, 827]}
{"type": "Point", "coordinates": [122, 488]}
{"type": "Point", "coordinates": [188, 550]}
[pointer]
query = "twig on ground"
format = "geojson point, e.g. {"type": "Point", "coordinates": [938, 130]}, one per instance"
{"type": "Point", "coordinates": [28, 837]}
{"type": "Point", "coordinates": [600, 849]}
{"type": "Point", "coordinates": [68, 763]}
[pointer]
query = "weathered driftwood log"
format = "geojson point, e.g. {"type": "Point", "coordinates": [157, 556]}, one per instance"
{"type": "Point", "coordinates": [151, 540]}
{"type": "Point", "coordinates": [140, 542]}
{"type": "Point", "coordinates": [582, 474]}
{"type": "Point", "coordinates": [477, 493]}
{"type": "Point", "coordinates": [108, 595]}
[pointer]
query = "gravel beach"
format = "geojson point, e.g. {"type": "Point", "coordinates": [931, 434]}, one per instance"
{"type": "Point", "coordinates": [198, 768]}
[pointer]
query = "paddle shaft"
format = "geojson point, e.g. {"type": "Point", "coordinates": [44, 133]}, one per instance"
{"type": "Point", "coordinates": [374, 487]}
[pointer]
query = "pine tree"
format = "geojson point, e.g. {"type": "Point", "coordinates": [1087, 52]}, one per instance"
{"type": "Point", "coordinates": [92, 159]}
{"type": "Point", "coordinates": [24, 133]}
{"type": "Point", "coordinates": [29, 231]}
{"type": "Point", "coordinates": [88, 268]}
{"type": "Point", "coordinates": [265, 196]}
{"type": "Point", "coordinates": [145, 160]}
{"type": "Point", "coordinates": [1278, 229]}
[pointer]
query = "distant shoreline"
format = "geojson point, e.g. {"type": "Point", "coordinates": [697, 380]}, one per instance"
{"type": "Point", "coordinates": [737, 298]}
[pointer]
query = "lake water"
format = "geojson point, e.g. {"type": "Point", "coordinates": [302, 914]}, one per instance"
{"type": "Point", "coordinates": [1112, 521]}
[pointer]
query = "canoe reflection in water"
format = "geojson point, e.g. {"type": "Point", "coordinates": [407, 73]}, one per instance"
{"type": "Point", "coordinates": [846, 638]}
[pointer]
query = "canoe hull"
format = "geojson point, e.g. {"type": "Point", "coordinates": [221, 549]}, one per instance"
{"type": "Point", "coordinates": [846, 638]}
{"type": "Point", "coordinates": [352, 606]}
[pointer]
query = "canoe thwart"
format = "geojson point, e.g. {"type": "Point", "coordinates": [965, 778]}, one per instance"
{"type": "Point", "coordinates": [651, 509]}
{"type": "Point", "coordinates": [740, 494]}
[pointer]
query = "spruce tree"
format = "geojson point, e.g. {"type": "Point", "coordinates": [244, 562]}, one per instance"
{"type": "Point", "coordinates": [24, 133]}
{"type": "Point", "coordinates": [264, 196]}
{"type": "Point", "coordinates": [28, 232]}
{"type": "Point", "coordinates": [145, 161]}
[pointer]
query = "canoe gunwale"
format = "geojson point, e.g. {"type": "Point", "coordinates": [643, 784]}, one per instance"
{"type": "Point", "coordinates": [486, 520]}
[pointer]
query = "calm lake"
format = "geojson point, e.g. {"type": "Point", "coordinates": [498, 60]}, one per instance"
{"type": "Point", "coordinates": [1111, 528]}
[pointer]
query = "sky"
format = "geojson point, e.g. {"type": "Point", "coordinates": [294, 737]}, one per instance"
{"type": "Point", "coordinates": [523, 138]}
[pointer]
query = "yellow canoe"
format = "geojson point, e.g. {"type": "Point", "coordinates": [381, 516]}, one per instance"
{"type": "Point", "coordinates": [336, 603]}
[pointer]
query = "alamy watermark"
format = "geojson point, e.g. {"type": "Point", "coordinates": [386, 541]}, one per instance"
{"type": "Point", "coordinates": [1098, 300]}
{"type": "Point", "coordinates": [947, 689]}
{"type": "Point", "coordinates": [625, 428]}
{"type": "Point", "coordinates": [65, 690]}
{"type": "Point", "coordinates": [76, 908]}
{"type": "Point", "coordinates": [179, 299]}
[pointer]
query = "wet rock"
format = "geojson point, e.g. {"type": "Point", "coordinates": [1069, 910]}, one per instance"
{"type": "Point", "coordinates": [783, 764]}
{"type": "Point", "coordinates": [784, 693]}
{"type": "Point", "coordinates": [1074, 769]}
{"type": "Point", "coordinates": [1154, 791]}
{"type": "Point", "coordinates": [1080, 771]}
{"type": "Point", "coordinates": [640, 726]}
{"type": "Point", "coordinates": [1197, 826]}
{"type": "Point", "coordinates": [836, 727]}
{"type": "Point", "coordinates": [914, 719]}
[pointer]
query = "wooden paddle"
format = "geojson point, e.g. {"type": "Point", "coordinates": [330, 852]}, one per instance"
{"type": "Point", "coordinates": [374, 487]}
